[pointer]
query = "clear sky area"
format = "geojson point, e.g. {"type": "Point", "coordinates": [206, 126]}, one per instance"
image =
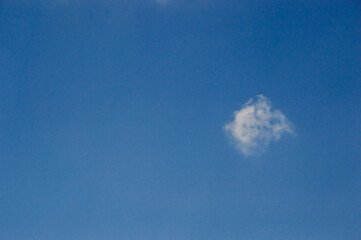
{"type": "Point", "coordinates": [180, 120]}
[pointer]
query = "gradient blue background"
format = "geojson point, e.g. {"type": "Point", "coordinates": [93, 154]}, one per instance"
{"type": "Point", "coordinates": [112, 115]}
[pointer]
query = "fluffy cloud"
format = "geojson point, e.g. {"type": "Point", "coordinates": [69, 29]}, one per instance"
{"type": "Point", "coordinates": [255, 125]}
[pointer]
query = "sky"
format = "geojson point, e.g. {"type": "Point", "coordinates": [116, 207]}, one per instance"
{"type": "Point", "coordinates": [173, 120]}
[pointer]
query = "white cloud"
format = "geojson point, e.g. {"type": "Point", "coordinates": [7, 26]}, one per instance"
{"type": "Point", "coordinates": [255, 125]}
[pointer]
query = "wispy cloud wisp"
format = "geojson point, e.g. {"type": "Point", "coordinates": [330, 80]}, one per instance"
{"type": "Point", "coordinates": [255, 125]}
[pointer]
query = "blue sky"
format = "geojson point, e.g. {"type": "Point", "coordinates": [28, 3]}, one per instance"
{"type": "Point", "coordinates": [114, 115]}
